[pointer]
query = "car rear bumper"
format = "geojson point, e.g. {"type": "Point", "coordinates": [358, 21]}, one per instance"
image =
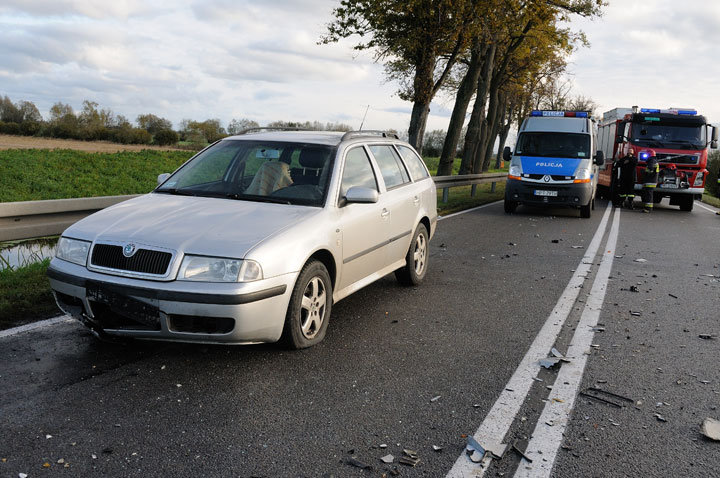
{"type": "Point", "coordinates": [566, 194]}
{"type": "Point", "coordinates": [181, 311]}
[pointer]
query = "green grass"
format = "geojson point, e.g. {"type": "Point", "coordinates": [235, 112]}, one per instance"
{"type": "Point", "coordinates": [36, 174]}
{"type": "Point", "coordinates": [25, 295]}
{"type": "Point", "coordinates": [711, 200]}
{"type": "Point", "coordinates": [459, 198]}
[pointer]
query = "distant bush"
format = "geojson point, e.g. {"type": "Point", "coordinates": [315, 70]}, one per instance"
{"type": "Point", "coordinates": [166, 137]}
{"type": "Point", "coordinates": [30, 128]}
{"type": "Point", "coordinates": [140, 136]}
{"type": "Point", "coordinates": [10, 128]}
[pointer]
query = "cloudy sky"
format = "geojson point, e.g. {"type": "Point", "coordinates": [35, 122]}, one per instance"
{"type": "Point", "coordinates": [229, 59]}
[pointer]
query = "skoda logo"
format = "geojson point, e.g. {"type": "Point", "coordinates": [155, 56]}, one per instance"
{"type": "Point", "coordinates": [546, 178]}
{"type": "Point", "coordinates": [129, 250]}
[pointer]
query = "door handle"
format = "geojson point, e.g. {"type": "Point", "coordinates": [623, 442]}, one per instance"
{"type": "Point", "coordinates": [416, 200]}
{"type": "Point", "coordinates": [385, 213]}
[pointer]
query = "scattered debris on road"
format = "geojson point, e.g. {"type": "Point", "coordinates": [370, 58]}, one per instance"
{"type": "Point", "coordinates": [605, 396]}
{"type": "Point", "coordinates": [635, 314]}
{"type": "Point", "coordinates": [660, 418]}
{"type": "Point", "coordinates": [358, 464]}
{"type": "Point", "coordinates": [435, 399]}
{"type": "Point", "coordinates": [520, 447]}
{"type": "Point", "coordinates": [711, 429]}
{"type": "Point", "coordinates": [387, 459]}
{"type": "Point", "coordinates": [437, 448]}
{"type": "Point", "coordinates": [640, 260]}
{"type": "Point", "coordinates": [409, 458]}
{"type": "Point", "coordinates": [707, 336]}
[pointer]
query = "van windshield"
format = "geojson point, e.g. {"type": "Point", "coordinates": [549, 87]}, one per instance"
{"type": "Point", "coordinates": [554, 145]}
{"type": "Point", "coordinates": [263, 171]}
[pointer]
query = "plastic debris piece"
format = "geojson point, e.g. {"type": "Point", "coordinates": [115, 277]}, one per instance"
{"type": "Point", "coordinates": [387, 459]}
{"type": "Point", "coordinates": [555, 241]}
{"type": "Point", "coordinates": [61, 461]}
{"type": "Point", "coordinates": [577, 247]}
{"type": "Point", "coordinates": [410, 453]}
{"type": "Point", "coordinates": [476, 456]}
{"type": "Point", "coordinates": [549, 362]}
{"type": "Point", "coordinates": [437, 448]}
{"type": "Point", "coordinates": [22, 475]}
{"type": "Point", "coordinates": [633, 288]}
{"type": "Point", "coordinates": [711, 429]}
{"type": "Point", "coordinates": [383, 445]}
{"type": "Point", "coordinates": [94, 456]}
{"type": "Point", "coordinates": [520, 446]}
{"type": "Point", "coordinates": [47, 437]}
{"type": "Point", "coordinates": [496, 448]}
{"type": "Point", "coordinates": [558, 400]}
{"type": "Point", "coordinates": [640, 260]}
{"type": "Point", "coordinates": [706, 336]}
{"type": "Point", "coordinates": [635, 314]}
{"type": "Point", "coordinates": [555, 353]}
{"type": "Point", "coordinates": [359, 464]}
{"type": "Point", "coordinates": [660, 417]}
{"type": "Point", "coordinates": [409, 461]}
{"type": "Point", "coordinates": [673, 296]}
{"type": "Point", "coordinates": [46, 465]}
{"type": "Point", "coordinates": [435, 399]}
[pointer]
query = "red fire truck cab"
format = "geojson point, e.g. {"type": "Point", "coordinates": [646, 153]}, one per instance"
{"type": "Point", "coordinates": [680, 139]}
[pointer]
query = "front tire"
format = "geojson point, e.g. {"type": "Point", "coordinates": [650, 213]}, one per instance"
{"type": "Point", "coordinates": [686, 203]}
{"type": "Point", "coordinates": [510, 206]}
{"type": "Point", "coordinates": [308, 313]}
{"type": "Point", "coordinates": [416, 259]}
{"type": "Point", "coordinates": [586, 210]}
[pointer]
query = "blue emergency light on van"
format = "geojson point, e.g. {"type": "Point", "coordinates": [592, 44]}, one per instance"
{"type": "Point", "coordinates": [672, 111]}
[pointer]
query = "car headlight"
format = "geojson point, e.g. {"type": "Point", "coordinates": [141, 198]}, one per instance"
{"type": "Point", "coordinates": [698, 180]}
{"type": "Point", "coordinates": [582, 175]}
{"type": "Point", "coordinates": [72, 250]}
{"type": "Point", "coordinates": [515, 170]}
{"type": "Point", "coordinates": [218, 269]}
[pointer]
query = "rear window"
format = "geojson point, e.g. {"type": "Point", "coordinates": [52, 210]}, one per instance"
{"type": "Point", "coordinates": [413, 163]}
{"type": "Point", "coordinates": [391, 168]}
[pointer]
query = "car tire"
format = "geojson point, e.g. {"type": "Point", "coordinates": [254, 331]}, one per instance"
{"type": "Point", "coordinates": [310, 305]}
{"type": "Point", "coordinates": [586, 210]}
{"type": "Point", "coordinates": [510, 206]}
{"type": "Point", "coordinates": [416, 259]}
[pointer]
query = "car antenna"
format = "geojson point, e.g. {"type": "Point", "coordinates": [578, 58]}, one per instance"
{"type": "Point", "coordinates": [364, 116]}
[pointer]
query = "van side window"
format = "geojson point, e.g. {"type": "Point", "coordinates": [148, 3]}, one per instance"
{"type": "Point", "coordinates": [413, 162]}
{"type": "Point", "coordinates": [391, 167]}
{"type": "Point", "coordinates": [357, 172]}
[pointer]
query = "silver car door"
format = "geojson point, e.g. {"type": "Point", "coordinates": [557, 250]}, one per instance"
{"type": "Point", "coordinates": [363, 226]}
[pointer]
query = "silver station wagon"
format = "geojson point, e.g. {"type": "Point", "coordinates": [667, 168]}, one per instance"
{"type": "Point", "coordinates": [251, 240]}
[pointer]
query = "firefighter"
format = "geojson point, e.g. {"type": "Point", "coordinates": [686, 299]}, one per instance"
{"type": "Point", "coordinates": [627, 178]}
{"type": "Point", "coordinates": [650, 178]}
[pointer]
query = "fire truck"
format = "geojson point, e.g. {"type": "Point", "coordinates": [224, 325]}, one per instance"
{"type": "Point", "coordinates": [680, 138]}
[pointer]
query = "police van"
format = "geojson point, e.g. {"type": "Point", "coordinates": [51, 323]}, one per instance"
{"type": "Point", "coordinates": [555, 162]}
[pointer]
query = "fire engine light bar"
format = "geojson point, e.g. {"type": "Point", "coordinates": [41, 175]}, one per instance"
{"type": "Point", "coordinates": [560, 114]}
{"type": "Point", "coordinates": [672, 111]}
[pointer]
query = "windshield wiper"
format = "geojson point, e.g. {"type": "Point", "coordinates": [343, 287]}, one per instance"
{"type": "Point", "coordinates": [177, 191]}
{"type": "Point", "coordinates": [252, 197]}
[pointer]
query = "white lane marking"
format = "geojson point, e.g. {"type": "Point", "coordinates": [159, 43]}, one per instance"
{"type": "Point", "coordinates": [503, 412]}
{"type": "Point", "coordinates": [550, 429]}
{"type": "Point", "coordinates": [467, 210]}
{"type": "Point", "coordinates": [706, 208]}
{"type": "Point", "coordinates": [35, 325]}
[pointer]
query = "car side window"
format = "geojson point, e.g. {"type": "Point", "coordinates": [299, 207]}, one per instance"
{"type": "Point", "coordinates": [413, 162]}
{"type": "Point", "coordinates": [357, 172]}
{"type": "Point", "coordinates": [391, 167]}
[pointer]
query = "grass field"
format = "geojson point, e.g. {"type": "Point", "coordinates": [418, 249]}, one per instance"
{"type": "Point", "coordinates": [25, 295]}
{"type": "Point", "coordinates": [711, 200]}
{"type": "Point", "coordinates": [36, 174]}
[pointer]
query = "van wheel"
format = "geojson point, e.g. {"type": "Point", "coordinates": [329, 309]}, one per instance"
{"type": "Point", "coordinates": [308, 313]}
{"type": "Point", "coordinates": [416, 259]}
{"type": "Point", "coordinates": [585, 211]}
{"type": "Point", "coordinates": [510, 206]}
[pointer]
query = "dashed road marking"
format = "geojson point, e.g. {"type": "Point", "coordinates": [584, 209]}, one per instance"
{"type": "Point", "coordinates": [503, 412]}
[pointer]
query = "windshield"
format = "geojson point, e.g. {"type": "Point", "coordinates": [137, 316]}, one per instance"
{"type": "Point", "coordinates": [288, 173]}
{"type": "Point", "coordinates": [554, 145]}
{"type": "Point", "coordinates": [656, 134]}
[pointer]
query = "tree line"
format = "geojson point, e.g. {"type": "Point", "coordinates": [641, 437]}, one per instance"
{"type": "Point", "coordinates": [92, 123]}
{"type": "Point", "coordinates": [505, 57]}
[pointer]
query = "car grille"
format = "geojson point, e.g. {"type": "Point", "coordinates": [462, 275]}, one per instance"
{"type": "Point", "coordinates": [554, 177]}
{"type": "Point", "coordinates": [145, 261]}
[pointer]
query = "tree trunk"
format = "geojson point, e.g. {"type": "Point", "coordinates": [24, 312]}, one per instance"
{"type": "Point", "coordinates": [418, 120]}
{"type": "Point", "coordinates": [465, 92]}
{"type": "Point", "coordinates": [472, 136]}
{"type": "Point", "coordinates": [504, 131]}
{"type": "Point", "coordinates": [488, 125]}
{"type": "Point", "coordinates": [422, 96]}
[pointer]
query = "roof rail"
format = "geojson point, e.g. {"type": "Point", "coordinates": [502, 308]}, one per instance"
{"type": "Point", "coordinates": [269, 128]}
{"type": "Point", "coordinates": [369, 132]}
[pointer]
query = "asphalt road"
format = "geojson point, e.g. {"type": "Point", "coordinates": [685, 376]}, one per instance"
{"type": "Point", "coordinates": [407, 368]}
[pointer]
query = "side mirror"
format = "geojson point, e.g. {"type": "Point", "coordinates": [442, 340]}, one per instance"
{"type": "Point", "coordinates": [620, 138]}
{"type": "Point", "coordinates": [599, 158]}
{"type": "Point", "coordinates": [507, 154]}
{"type": "Point", "coordinates": [714, 144]}
{"type": "Point", "coordinates": [714, 137]}
{"type": "Point", "coordinates": [359, 194]}
{"type": "Point", "coordinates": [162, 178]}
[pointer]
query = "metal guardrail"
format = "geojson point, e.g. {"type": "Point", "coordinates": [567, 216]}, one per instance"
{"type": "Point", "coordinates": [28, 219]}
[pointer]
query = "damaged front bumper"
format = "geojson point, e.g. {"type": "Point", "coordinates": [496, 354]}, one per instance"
{"type": "Point", "coordinates": [181, 311]}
